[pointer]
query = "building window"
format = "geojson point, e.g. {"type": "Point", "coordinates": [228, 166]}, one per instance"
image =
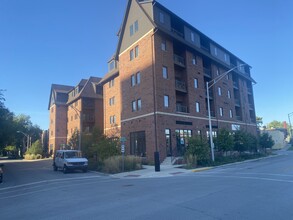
{"type": "Point", "coordinates": [138, 104]}
{"type": "Point", "coordinates": [112, 101]}
{"type": "Point", "coordinates": [197, 107]}
{"type": "Point", "coordinates": [225, 57]}
{"type": "Point", "coordinates": [138, 143]}
{"type": "Point", "coordinates": [133, 81]}
{"type": "Point", "coordinates": [195, 83]}
{"type": "Point", "coordinates": [219, 91]}
{"type": "Point", "coordinates": [229, 94]}
{"type": "Point", "coordinates": [231, 113]}
{"type": "Point", "coordinates": [134, 106]}
{"type": "Point", "coordinates": [165, 72]}
{"type": "Point", "coordinates": [217, 71]}
{"type": "Point", "coordinates": [182, 137]}
{"type": "Point", "coordinates": [221, 111]}
{"type": "Point", "coordinates": [138, 78]}
{"type": "Point", "coordinates": [194, 62]}
{"type": "Point", "coordinates": [192, 36]}
{"type": "Point", "coordinates": [71, 118]}
{"type": "Point", "coordinates": [111, 83]}
{"type": "Point", "coordinates": [131, 55]}
{"type": "Point", "coordinates": [136, 26]}
{"type": "Point", "coordinates": [216, 51]}
{"type": "Point", "coordinates": [166, 101]}
{"type": "Point", "coordinates": [131, 30]}
{"type": "Point", "coordinates": [163, 45]}
{"type": "Point", "coordinates": [136, 51]}
{"type": "Point", "coordinates": [113, 119]}
{"type": "Point", "coordinates": [112, 65]}
{"type": "Point", "coordinates": [75, 116]}
{"type": "Point", "coordinates": [162, 18]}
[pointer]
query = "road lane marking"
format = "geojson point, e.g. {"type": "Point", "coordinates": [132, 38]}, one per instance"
{"type": "Point", "coordinates": [49, 181]}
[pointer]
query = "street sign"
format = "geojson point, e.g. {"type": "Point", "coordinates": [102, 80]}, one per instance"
{"type": "Point", "coordinates": [123, 139]}
{"type": "Point", "coordinates": [122, 148]}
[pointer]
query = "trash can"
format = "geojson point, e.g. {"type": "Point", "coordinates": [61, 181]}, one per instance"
{"type": "Point", "coordinates": [157, 161]}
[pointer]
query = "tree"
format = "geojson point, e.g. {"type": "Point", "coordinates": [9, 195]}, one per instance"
{"type": "Point", "coordinates": [197, 150]}
{"type": "Point", "coordinates": [224, 141]}
{"type": "Point", "coordinates": [74, 139]}
{"type": "Point", "coordinates": [240, 141]}
{"type": "Point", "coordinates": [259, 121]}
{"type": "Point", "coordinates": [266, 141]}
{"type": "Point", "coordinates": [36, 148]}
{"type": "Point", "coordinates": [99, 147]}
{"type": "Point", "coordinates": [251, 142]}
{"type": "Point", "coordinates": [275, 124]}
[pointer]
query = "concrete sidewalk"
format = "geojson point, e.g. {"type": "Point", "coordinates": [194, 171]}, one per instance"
{"type": "Point", "coordinates": [165, 171]}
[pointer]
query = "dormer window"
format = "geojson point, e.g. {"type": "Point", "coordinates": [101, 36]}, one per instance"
{"type": "Point", "coordinates": [162, 18]}
{"type": "Point", "coordinates": [112, 65]}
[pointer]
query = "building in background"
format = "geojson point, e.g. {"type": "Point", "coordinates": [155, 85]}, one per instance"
{"type": "Point", "coordinates": [155, 90]}
{"type": "Point", "coordinates": [74, 108]}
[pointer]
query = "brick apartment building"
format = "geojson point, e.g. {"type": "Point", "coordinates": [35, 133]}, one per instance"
{"type": "Point", "coordinates": [74, 109]}
{"type": "Point", "coordinates": [155, 90]}
{"type": "Point", "coordinates": [154, 93]}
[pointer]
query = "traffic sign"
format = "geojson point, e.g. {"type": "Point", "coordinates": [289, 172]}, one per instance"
{"type": "Point", "coordinates": [123, 139]}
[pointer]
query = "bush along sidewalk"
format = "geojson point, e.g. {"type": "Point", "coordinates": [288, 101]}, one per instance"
{"type": "Point", "coordinates": [229, 148]}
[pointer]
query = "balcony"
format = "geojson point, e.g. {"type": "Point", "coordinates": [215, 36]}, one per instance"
{"type": "Point", "coordinates": [249, 90]}
{"type": "Point", "coordinates": [237, 102]}
{"type": "Point", "coordinates": [212, 114]}
{"type": "Point", "coordinates": [238, 117]}
{"type": "Point", "coordinates": [178, 33]}
{"type": "Point", "coordinates": [207, 72]}
{"type": "Point", "coordinates": [235, 84]}
{"type": "Point", "coordinates": [181, 108]}
{"type": "Point", "coordinates": [178, 60]}
{"type": "Point", "coordinates": [180, 86]}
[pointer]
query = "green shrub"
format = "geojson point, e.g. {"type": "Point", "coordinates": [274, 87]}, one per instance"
{"type": "Point", "coordinates": [36, 148]}
{"type": "Point", "coordinates": [32, 156]}
{"type": "Point", "coordinates": [114, 164]}
{"type": "Point", "coordinates": [191, 161]}
{"type": "Point", "coordinates": [198, 151]}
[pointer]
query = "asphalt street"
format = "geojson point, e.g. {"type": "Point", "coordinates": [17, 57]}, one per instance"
{"type": "Point", "coordinates": [261, 189]}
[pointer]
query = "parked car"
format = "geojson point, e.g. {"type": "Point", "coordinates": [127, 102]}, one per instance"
{"type": "Point", "coordinates": [1, 173]}
{"type": "Point", "coordinates": [69, 160]}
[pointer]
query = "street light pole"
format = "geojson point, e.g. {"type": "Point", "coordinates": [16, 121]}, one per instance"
{"type": "Point", "coordinates": [289, 115]}
{"type": "Point", "coordinates": [27, 138]}
{"type": "Point", "coordinates": [209, 85]}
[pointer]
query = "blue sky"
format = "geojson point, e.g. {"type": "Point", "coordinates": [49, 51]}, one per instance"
{"type": "Point", "coordinates": [62, 41]}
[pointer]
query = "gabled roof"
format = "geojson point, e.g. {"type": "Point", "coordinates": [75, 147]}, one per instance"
{"type": "Point", "coordinates": [122, 28]}
{"type": "Point", "coordinates": [86, 89]}
{"type": "Point", "coordinates": [56, 88]}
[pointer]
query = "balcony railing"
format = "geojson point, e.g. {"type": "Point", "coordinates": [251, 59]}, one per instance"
{"type": "Point", "coordinates": [212, 113]}
{"type": "Point", "coordinates": [239, 118]}
{"type": "Point", "coordinates": [207, 72]}
{"type": "Point", "coordinates": [178, 33]}
{"type": "Point", "coordinates": [180, 86]}
{"type": "Point", "coordinates": [181, 108]}
{"type": "Point", "coordinates": [249, 90]}
{"type": "Point", "coordinates": [237, 101]}
{"type": "Point", "coordinates": [179, 60]}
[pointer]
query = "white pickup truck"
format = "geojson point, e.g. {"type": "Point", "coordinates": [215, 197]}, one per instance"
{"type": "Point", "coordinates": [69, 160]}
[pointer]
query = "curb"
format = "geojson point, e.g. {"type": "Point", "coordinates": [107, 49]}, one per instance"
{"type": "Point", "coordinates": [202, 169]}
